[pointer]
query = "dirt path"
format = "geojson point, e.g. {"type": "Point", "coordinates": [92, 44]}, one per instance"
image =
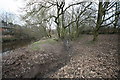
{"type": "Point", "coordinates": [84, 60]}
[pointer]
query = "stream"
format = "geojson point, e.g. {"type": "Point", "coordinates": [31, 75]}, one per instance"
{"type": "Point", "coordinates": [8, 46]}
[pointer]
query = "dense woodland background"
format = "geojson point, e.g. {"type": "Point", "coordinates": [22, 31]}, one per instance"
{"type": "Point", "coordinates": [72, 19]}
{"type": "Point", "coordinates": [47, 18]}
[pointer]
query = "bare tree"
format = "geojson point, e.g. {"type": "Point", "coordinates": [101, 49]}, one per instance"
{"type": "Point", "coordinates": [58, 6]}
{"type": "Point", "coordinates": [7, 17]}
{"type": "Point", "coordinates": [104, 10]}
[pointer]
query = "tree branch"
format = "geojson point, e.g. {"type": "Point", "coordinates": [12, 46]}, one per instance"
{"type": "Point", "coordinates": [108, 24]}
{"type": "Point", "coordinates": [72, 5]}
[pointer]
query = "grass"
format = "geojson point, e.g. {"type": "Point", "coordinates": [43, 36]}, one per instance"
{"type": "Point", "coordinates": [90, 42]}
{"type": "Point", "coordinates": [37, 45]}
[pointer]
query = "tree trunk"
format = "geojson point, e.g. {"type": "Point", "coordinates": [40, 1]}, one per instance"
{"type": "Point", "coordinates": [58, 31]}
{"type": "Point", "coordinates": [58, 21]}
{"type": "Point", "coordinates": [99, 21]}
{"type": "Point", "coordinates": [95, 36]}
{"type": "Point", "coordinates": [77, 29]}
{"type": "Point", "coordinates": [46, 34]}
{"type": "Point", "coordinates": [63, 26]}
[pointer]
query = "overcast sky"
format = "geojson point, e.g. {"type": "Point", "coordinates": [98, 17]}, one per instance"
{"type": "Point", "coordinates": [14, 5]}
{"type": "Point", "coordinates": [11, 5]}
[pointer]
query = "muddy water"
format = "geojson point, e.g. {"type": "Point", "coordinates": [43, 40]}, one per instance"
{"type": "Point", "coordinates": [7, 46]}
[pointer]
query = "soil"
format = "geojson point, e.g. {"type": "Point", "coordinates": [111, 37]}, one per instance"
{"type": "Point", "coordinates": [84, 59]}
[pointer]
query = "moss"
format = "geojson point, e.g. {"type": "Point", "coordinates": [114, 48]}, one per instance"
{"type": "Point", "coordinates": [37, 45]}
{"type": "Point", "coordinates": [90, 42]}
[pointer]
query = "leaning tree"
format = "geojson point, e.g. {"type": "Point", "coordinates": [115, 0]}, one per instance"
{"type": "Point", "coordinates": [105, 16]}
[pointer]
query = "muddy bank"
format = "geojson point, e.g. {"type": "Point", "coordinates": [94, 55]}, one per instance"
{"type": "Point", "coordinates": [26, 63]}
{"type": "Point", "coordinates": [84, 59]}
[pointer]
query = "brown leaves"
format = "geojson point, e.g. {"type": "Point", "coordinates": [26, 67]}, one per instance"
{"type": "Point", "coordinates": [92, 61]}
{"type": "Point", "coordinates": [88, 61]}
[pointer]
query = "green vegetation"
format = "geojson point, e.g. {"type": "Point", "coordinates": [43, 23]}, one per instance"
{"type": "Point", "coordinates": [37, 45]}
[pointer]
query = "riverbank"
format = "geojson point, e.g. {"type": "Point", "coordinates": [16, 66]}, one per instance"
{"type": "Point", "coordinates": [48, 58]}
{"type": "Point", "coordinates": [14, 44]}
